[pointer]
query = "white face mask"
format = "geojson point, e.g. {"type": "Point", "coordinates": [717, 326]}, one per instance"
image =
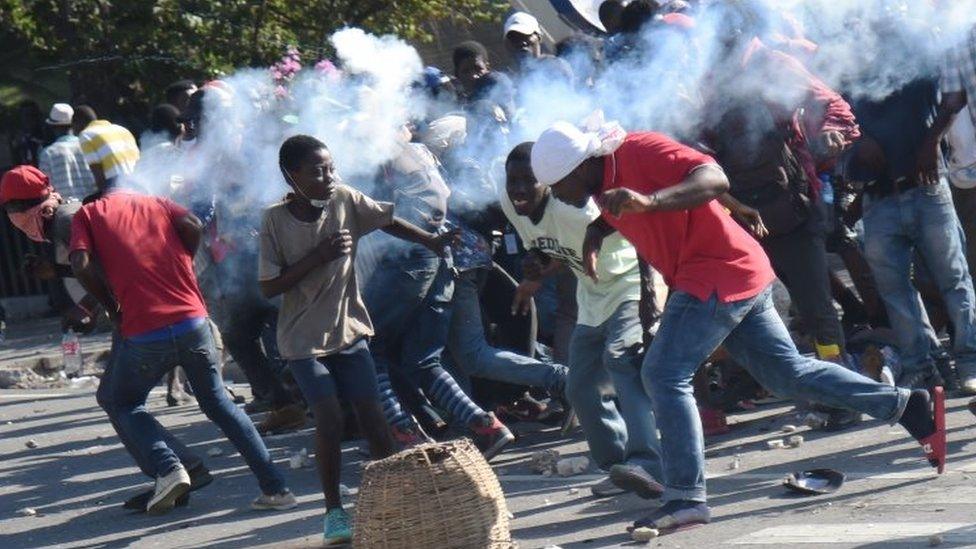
{"type": "Point", "coordinates": [315, 202]}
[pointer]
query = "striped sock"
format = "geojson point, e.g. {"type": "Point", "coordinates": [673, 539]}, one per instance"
{"type": "Point", "coordinates": [395, 416]}
{"type": "Point", "coordinates": [451, 397]}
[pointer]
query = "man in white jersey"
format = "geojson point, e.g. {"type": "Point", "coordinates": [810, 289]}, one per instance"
{"type": "Point", "coordinates": [606, 346]}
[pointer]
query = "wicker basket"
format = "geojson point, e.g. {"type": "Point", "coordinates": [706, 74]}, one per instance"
{"type": "Point", "coordinates": [433, 496]}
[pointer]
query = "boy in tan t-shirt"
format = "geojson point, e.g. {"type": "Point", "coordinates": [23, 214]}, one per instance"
{"type": "Point", "coordinates": [308, 245]}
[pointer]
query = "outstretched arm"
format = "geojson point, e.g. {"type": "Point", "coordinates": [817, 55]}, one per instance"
{"type": "Point", "coordinates": [702, 185]}
{"type": "Point", "coordinates": [405, 230]}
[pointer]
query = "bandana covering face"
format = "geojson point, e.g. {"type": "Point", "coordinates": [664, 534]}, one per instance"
{"type": "Point", "coordinates": [31, 222]}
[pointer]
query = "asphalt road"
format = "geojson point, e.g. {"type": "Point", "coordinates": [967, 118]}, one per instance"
{"type": "Point", "coordinates": [78, 475]}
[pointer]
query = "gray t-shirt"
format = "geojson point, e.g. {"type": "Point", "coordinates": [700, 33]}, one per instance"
{"type": "Point", "coordinates": [324, 313]}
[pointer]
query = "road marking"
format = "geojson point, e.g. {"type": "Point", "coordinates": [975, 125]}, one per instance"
{"type": "Point", "coordinates": [848, 534]}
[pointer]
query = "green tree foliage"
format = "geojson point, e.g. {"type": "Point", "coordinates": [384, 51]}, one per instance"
{"type": "Point", "coordinates": [119, 54]}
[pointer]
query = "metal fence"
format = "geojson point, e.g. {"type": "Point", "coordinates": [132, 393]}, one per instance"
{"type": "Point", "coordinates": [13, 247]}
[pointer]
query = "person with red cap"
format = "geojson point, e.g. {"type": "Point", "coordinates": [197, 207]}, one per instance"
{"type": "Point", "coordinates": [43, 215]}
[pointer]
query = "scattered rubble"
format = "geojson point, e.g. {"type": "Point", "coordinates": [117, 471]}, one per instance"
{"type": "Point", "coordinates": [572, 466]}
{"type": "Point", "coordinates": [789, 428]}
{"type": "Point", "coordinates": [794, 441]}
{"type": "Point", "coordinates": [214, 451]}
{"type": "Point", "coordinates": [544, 461]}
{"type": "Point", "coordinates": [775, 444]}
{"type": "Point", "coordinates": [27, 512]}
{"type": "Point", "coordinates": [644, 535]}
{"type": "Point", "coordinates": [299, 459]}
{"type": "Point", "coordinates": [31, 444]}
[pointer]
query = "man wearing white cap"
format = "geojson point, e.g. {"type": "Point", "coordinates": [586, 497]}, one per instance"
{"type": "Point", "coordinates": [606, 346]}
{"type": "Point", "coordinates": [523, 39]}
{"type": "Point", "coordinates": [62, 161]}
{"type": "Point", "coordinates": [663, 197]}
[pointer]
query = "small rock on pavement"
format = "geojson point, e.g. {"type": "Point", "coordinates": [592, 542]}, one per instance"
{"type": "Point", "coordinates": [794, 441]}
{"type": "Point", "coordinates": [789, 428]}
{"type": "Point", "coordinates": [776, 444]}
{"type": "Point", "coordinates": [26, 512]}
{"type": "Point", "coordinates": [573, 491]}
{"type": "Point", "coordinates": [644, 535]}
{"type": "Point", "coordinates": [544, 461]}
{"type": "Point", "coordinates": [511, 515]}
{"type": "Point", "coordinates": [214, 452]}
{"type": "Point", "coordinates": [936, 540]}
{"type": "Point", "coordinates": [31, 443]}
{"type": "Point", "coordinates": [572, 466]}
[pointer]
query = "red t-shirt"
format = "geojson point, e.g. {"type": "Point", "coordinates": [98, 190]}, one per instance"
{"type": "Point", "coordinates": [149, 270]}
{"type": "Point", "coordinates": [699, 251]}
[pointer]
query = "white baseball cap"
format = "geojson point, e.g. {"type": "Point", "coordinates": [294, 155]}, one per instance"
{"type": "Point", "coordinates": [61, 114]}
{"type": "Point", "coordinates": [522, 23]}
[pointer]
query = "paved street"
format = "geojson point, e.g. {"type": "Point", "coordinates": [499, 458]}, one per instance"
{"type": "Point", "coordinates": [78, 475]}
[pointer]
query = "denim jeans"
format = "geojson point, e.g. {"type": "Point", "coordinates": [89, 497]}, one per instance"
{"type": "Point", "coordinates": [474, 357]}
{"type": "Point", "coordinates": [605, 357]}
{"type": "Point", "coordinates": [756, 338]}
{"type": "Point", "coordinates": [409, 302]}
{"type": "Point", "coordinates": [139, 368]}
{"type": "Point", "coordinates": [895, 228]}
{"type": "Point", "coordinates": [104, 398]}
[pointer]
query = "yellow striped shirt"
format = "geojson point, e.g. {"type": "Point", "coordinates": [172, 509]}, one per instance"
{"type": "Point", "coordinates": [110, 146]}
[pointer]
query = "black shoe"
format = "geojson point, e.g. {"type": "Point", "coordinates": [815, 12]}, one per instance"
{"type": "Point", "coordinates": [839, 419]}
{"type": "Point", "coordinates": [257, 406]}
{"type": "Point", "coordinates": [199, 477]}
{"type": "Point", "coordinates": [926, 378]}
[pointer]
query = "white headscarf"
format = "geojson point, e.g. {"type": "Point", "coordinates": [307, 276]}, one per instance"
{"type": "Point", "coordinates": [564, 146]}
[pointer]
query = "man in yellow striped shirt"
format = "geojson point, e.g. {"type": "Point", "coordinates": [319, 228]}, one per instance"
{"type": "Point", "coordinates": [110, 150]}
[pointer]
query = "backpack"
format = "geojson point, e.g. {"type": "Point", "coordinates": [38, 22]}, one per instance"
{"type": "Point", "coordinates": [763, 170]}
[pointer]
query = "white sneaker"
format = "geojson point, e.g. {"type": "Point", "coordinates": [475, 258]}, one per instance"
{"type": "Point", "coordinates": [275, 502]}
{"type": "Point", "coordinates": [168, 488]}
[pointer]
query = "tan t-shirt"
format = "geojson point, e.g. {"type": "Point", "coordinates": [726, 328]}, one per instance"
{"type": "Point", "coordinates": [324, 313]}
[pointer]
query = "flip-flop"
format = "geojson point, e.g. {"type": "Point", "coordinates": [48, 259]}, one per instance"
{"type": "Point", "coordinates": [934, 445]}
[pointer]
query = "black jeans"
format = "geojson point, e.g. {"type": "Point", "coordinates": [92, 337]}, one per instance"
{"type": "Point", "coordinates": [800, 261]}
{"type": "Point", "coordinates": [246, 317]}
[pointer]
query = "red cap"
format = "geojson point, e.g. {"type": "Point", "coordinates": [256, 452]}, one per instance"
{"type": "Point", "coordinates": [23, 183]}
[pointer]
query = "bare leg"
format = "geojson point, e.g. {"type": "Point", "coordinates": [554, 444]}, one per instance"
{"type": "Point", "coordinates": [373, 424]}
{"type": "Point", "coordinates": [328, 448]}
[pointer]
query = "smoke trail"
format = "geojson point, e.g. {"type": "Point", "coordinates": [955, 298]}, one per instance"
{"type": "Point", "coordinates": [865, 48]}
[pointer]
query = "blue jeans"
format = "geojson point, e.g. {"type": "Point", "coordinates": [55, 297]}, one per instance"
{"type": "Point", "coordinates": [104, 398]}
{"type": "Point", "coordinates": [139, 368]}
{"type": "Point", "coordinates": [409, 302]}
{"type": "Point", "coordinates": [474, 357]}
{"type": "Point", "coordinates": [921, 220]}
{"type": "Point", "coordinates": [756, 338]}
{"type": "Point", "coordinates": [607, 357]}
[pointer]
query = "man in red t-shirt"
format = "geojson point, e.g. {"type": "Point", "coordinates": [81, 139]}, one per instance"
{"type": "Point", "coordinates": [134, 253]}
{"type": "Point", "coordinates": [662, 196]}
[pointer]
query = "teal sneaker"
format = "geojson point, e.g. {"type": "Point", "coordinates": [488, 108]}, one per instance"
{"type": "Point", "coordinates": [337, 528]}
